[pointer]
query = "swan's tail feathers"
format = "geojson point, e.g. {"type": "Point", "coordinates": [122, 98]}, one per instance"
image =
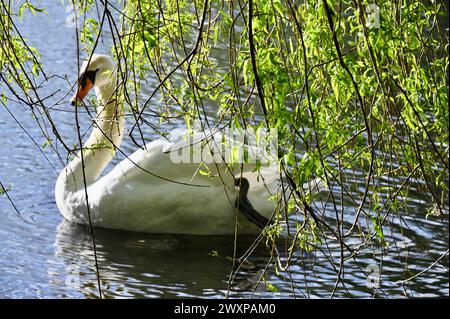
{"type": "Point", "coordinates": [246, 208]}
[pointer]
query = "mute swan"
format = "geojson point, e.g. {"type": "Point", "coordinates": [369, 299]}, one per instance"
{"type": "Point", "coordinates": [147, 191]}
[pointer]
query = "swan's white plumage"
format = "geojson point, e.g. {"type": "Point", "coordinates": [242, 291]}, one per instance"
{"type": "Point", "coordinates": [131, 198]}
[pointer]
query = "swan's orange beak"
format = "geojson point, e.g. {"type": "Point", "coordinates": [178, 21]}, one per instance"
{"type": "Point", "coordinates": [82, 91]}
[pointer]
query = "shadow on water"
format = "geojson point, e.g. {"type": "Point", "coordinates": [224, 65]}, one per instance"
{"type": "Point", "coordinates": [173, 266]}
{"type": "Point", "coordinates": [151, 265]}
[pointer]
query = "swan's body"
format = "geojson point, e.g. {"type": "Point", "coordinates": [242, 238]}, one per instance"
{"type": "Point", "coordinates": [131, 197]}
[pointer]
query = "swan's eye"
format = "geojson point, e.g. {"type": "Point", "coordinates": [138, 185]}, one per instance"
{"type": "Point", "coordinates": [85, 83]}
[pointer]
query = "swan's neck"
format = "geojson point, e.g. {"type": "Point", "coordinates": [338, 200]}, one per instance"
{"type": "Point", "coordinates": [101, 145]}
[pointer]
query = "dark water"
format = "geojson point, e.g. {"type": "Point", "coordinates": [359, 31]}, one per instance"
{"type": "Point", "coordinates": [45, 257]}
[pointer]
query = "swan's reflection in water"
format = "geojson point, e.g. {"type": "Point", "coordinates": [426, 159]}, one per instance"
{"type": "Point", "coordinates": [151, 266]}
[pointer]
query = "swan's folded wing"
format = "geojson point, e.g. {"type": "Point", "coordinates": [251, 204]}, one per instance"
{"type": "Point", "coordinates": [157, 164]}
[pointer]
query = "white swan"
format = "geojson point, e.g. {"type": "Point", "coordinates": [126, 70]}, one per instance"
{"type": "Point", "coordinates": [147, 191]}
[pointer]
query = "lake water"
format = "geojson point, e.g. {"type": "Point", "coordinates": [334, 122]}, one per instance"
{"type": "Point", "coordinates": [42, 256]}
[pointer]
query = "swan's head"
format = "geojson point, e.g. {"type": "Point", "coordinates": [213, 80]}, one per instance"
{"type": "Point", "coordinates": [97, 72]}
